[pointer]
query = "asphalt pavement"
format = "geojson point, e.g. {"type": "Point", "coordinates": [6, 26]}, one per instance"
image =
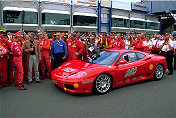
{"type": "Point", "coordinates": [149, 99]}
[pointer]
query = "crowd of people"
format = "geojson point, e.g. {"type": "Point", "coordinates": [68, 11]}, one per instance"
{"type": "Point", "coordinates": [34, 55]}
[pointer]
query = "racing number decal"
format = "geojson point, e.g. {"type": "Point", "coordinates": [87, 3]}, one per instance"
{"type": "Point", "coordinates": [131, 72]}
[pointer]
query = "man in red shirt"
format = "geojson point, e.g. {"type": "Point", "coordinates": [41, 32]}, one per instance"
{"type": "Point", "coordinates": [119, 43]}
{"type": "Point", "coordinates": [137, 43]}
{"type": "Point", "coordinates": [104, 42]}
{"type": "Point", "coordinates": [45, 55]}
{"type": "Point", "coordinates": [4, 45]}
{"type": "Point", "coordinates": [17, 52]}
{"type": "Point", "coordinates": [143, 37]}
{"type": "Point", "coordinates": [75, 48]}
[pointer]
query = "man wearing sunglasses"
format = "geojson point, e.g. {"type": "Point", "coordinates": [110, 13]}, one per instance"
{"type": "Point", "coordinates": [59, 51]}
{"type": "Point", "coordinates": [32, 47]}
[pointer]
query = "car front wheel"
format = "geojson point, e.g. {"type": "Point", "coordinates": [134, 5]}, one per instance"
{"type": "Point", "coordinates": [102, 84]}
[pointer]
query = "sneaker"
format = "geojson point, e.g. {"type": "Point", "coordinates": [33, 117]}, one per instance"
{"type": "Point", "coordinates": [21, 87]}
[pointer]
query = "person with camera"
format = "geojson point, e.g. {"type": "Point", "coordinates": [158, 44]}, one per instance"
{"type": "Point", "coordinates": [155, 47]}
{"type": "Point", "coordinates": [91, 47]}
{"type": "Point", "coordinates": [166, 47]}
{"type": "Point", "coordinates": [59, 51]}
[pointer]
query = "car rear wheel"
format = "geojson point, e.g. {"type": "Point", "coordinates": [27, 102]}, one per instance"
{"type": "Point", "coordinates": [159, 72]}
{"type": "Point", "coordinates": [102, 84]}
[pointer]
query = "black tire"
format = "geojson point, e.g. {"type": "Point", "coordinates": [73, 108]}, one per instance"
{"type": "Point", "coordinates": [159, 72]}
{"type": "Point", "coordinates": [104, 86]}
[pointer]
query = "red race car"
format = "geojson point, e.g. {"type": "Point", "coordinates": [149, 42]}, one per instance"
{"type": "Point", "coordinates": [109, 69]}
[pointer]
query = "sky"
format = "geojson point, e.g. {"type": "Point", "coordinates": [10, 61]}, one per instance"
{"type": "Point", "coordinates": [128, 1]}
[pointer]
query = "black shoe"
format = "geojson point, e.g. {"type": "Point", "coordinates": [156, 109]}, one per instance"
{"type": "Point", "coordinates": [170, 73]}
{"type": "Point", "coordinates": [39, 81]}
{"type": "Point", "coordinates": [29, 82]}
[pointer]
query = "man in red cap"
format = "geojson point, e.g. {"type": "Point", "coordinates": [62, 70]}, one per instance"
{"type": "Point", "coordinates": [4, 45]}
{"type": "Point", "coordinates": [45, 54]}
{"type": "Point", "coordinates": [75, 48]}
{"type": "Point", "coordinates": [119, 43]}
{"type": "Point", "coordinates": [17, 52]}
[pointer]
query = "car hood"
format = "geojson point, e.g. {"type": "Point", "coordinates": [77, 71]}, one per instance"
{"type": "Point", "coordinates": [72, 67]}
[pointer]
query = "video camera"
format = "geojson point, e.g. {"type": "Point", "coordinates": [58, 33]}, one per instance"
{"type": "Point", "coordinates": [88, 39]}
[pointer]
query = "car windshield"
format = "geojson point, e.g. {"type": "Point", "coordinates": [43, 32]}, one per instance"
{"type": "Point", "coordinates": [105, 58]}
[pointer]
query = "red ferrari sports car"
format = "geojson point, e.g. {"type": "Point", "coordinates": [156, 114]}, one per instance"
{"type": "Point", "coordinates": [111, 68]}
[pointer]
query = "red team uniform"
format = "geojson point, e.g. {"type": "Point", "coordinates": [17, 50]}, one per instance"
{"type": "Point", "coordinates": [75, 46]}
{"type": "Point", "coordinates": [19, 73]}
{"type": "Point", "coordinates": [137, 45]}
{"type": "Point", "coordinates": [4, 45]}
{"type": "Point", "coordinates": [45, 56]}
{"type": "Point", "coordinates": [119, 44]}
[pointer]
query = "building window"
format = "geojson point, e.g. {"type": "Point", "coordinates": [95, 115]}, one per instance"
{"type": "Point", "coordinates": [84, 20]}
{"type": "Point", "coordinates": [152, 25]}
{"type": "Point", "coordinates": [55, 19]}
{"type": "Point", "coordinates": [118, 22]}
{"type": "Point", "coordinates": [16, 17]}
{"type": "Point", "coordinates": [138, 24]}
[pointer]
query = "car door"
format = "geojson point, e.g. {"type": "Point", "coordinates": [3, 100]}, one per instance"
{"type": "Point", "coordinates": [131, 71]}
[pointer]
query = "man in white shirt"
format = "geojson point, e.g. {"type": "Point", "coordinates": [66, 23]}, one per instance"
{"type": "Point", "coordinates": [166, 47]}
{"type": "Point", "coordinates": [174, 46]}
{"type": "Point", "coordinates": [156, 42]}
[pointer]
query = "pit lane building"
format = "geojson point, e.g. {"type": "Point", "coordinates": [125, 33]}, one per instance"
{"type": "Point", "coordinates": [83, 16]}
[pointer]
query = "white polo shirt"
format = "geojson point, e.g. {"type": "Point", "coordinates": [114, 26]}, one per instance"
{"type": "Point", "coordinates": [174, 44]}
{"type": "Point", "coordinates": [148, 43]}
{"type": "Point", "coordinates": [158, 43]}
{"type": "Point", "coordinates": [166, 47]}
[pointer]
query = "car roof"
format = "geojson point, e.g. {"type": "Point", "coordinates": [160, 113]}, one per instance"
{"type": "Point", "coordinates": [124, 50]}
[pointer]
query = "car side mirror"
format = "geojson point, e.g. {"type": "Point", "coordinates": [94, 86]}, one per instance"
{"type": "Point", "coordinates": [122, 62]}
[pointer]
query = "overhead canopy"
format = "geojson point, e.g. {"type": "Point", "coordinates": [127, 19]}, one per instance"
{"type": "Point", "coordinates": [152, 21]}
{"type": "Point", "coordinates": [121, 17]}
{"type": "Point", "coordinates": [85, 14]}
{"type": "Point", "coordinates": [55, 11]}
{"type": "Point", "coordinates": [19, 9]}
{"type": "Point", "coordinates": [140, 19]}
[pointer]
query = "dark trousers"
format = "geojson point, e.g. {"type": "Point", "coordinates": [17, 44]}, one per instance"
{"type": "Point", "coordinates": [169, 59]}
{"type": "Point", "coordinates": [175, 62]}
{"type": "Point", "coordinates": [154, 52]}
{"type": "Point", "coordinates": [58, 59]}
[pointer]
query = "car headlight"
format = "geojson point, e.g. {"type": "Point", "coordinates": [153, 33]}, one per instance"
{"type": "Point", "coordinates": [78, 74]}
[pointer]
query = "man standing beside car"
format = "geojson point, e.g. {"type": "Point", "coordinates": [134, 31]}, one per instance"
{"type": "Point", "coordinates": [75, 48]}
{"type": "Point", "coordinates": [32, 47]}
{"type": "Point", "coordinates": [59, 51]}
{"type": "Point", "coordinates": [166, 47]}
